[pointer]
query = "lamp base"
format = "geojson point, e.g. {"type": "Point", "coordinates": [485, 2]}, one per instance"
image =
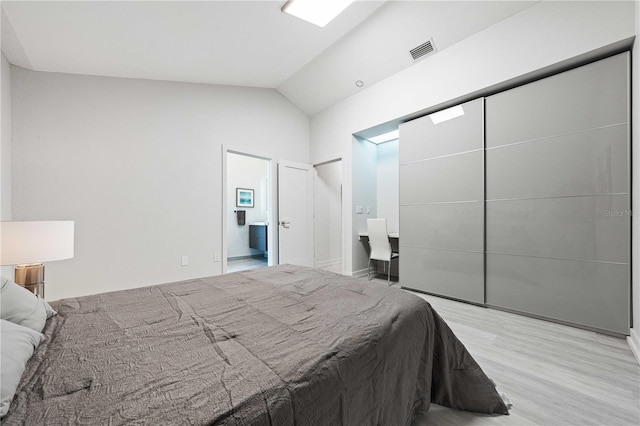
{"type": "Point", "coordinates": [31, 277]}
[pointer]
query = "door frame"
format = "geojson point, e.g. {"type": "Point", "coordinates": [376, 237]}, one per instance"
{"type": "Point", "coordinates": [272, 235]}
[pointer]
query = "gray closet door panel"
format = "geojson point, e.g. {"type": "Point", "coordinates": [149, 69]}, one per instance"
{"type": "Point", "coordinates": [430, 140]}
{"type": "Point", "coordinates": [457, 226]}
{"type": "Point", "coordinates": [557, 185]}
{"type": "Point", "coordinates": [588, 97]}
{"type": "Point", "coordinates": [584, 228]}
{"type": "Point", "coordinates": [449, 273]}
{"type": "Point", "coordinates": [442, 205]}
{"type": "Point", "coordinates": [587, 293]}
{"type": "Point", "coordinates": [454, 178]}
{"type": "Point", "coordinates": [586, 163]}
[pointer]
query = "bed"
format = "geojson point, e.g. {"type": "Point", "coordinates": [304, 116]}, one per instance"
{"type": "Point", "coordinates": [285, 345]}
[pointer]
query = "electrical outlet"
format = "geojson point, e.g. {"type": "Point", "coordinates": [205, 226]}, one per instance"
{"type": "Point", "coordinates": [185, 260]}
{"type": "Point", "coordinates": [216, 257]}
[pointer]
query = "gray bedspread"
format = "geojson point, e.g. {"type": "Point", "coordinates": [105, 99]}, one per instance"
{"type": "Point", "coordinates": [280, 346]}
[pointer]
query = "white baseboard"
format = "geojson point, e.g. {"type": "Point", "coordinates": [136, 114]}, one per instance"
{"type": "Point", "coordinates": [329, 263]}
{"type": "Point", "coordinates": [634, 342]}
{"type": "Point", "coordinates": [359, 274]}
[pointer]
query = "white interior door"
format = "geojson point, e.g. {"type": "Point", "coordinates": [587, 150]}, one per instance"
{"type": "Point", "coordinates": [295, 213]}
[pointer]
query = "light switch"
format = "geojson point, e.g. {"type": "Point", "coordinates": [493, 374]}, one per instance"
{"type": "Point", "coordinates": [185, 260]}
{"type": "Point", "coordinates": [368, 209]}
{"type": "Point", "coordinates": [358, 209]}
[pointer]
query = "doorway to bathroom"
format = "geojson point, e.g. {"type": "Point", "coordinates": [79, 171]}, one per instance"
{"type": "Point", "coordinates": [248, 188]}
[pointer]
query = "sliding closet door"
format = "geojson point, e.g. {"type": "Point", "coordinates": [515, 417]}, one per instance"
{"type": "Point", "coordinates": [442, 205]}
{"type": "Point", "coordinates": [558, 205]}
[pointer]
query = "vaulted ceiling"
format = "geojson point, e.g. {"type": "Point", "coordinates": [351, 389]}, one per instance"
{"type": "Point", "coordinates": [240, 43]}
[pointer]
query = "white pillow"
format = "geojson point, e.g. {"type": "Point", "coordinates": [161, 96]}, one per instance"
{"type": "Point", "coordinates": [17, 344]}
{"type": "Point", "coordinates": [20, 306]}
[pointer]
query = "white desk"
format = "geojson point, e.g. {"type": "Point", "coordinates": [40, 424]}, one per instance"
{"type": "Point", "coordinates": [392, 235]}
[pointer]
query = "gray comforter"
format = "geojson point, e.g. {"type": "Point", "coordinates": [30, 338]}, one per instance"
{"type": "Point", "coordinates": [279, 346]}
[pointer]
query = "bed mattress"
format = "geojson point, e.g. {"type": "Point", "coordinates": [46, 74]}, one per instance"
{"type": "Point", "coordinates": [285, 345]}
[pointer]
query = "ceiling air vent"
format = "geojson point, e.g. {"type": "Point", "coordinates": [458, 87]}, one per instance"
{"type": "Point", "coordinates": [422, 50]}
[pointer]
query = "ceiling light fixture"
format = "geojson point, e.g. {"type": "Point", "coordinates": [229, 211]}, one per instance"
{"type": "Point", "coordinates": [318, 12]}
{"type": "Point", "coordinates": [385, 137]}
{"type": "Point", "coordinates": [447, 114]}
{"type": "Point", "coordinates": [359, 83]}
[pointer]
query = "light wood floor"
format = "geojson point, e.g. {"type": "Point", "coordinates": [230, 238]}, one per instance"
{"type": "Point", "coordinates": [553, 374]}
{"type": "Point", "coordinates": [245, 264]}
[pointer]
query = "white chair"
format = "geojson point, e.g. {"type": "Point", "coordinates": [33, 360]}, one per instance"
{"type": "Point", "coordinates": [379, 245]}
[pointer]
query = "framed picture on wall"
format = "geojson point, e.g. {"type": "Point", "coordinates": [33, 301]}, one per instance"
{"type": "Point", "coordinates": [244, 197]}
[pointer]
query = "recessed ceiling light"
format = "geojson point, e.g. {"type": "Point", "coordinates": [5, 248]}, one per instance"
{"type": "Point", "coordinates": [385, 137]}
{"type": "Point", "coordinates": [447, 114]}
{"type": "Point", "coordinates": [318, 12]}
{"type": "Point", "coordinates": [359, 83]}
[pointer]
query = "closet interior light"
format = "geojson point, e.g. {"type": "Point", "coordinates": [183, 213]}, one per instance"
{"type": "Point", "coordinates": [385, 137]}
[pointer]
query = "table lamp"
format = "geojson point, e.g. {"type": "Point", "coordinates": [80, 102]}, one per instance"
{"type": "Point", "coordinates": [27, 244]}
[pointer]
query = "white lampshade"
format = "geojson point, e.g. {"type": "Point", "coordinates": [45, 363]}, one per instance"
{"type": "Point", "coordinates": [35, 242]}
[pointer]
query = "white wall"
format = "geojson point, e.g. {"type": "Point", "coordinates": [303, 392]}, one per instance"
{"type": "Point", "coordinates": [328, 215]}
{"type": "Point", "coordinates": [137, 164]}
{"type": "Point", "coordinates": [251, 173]}
{"type": "Point", "coordinates": [634, 339]}
{"type": "Point", "coordinates": [5, 151]}
{"type": "Point", "coordinates": [538, 37]}
{"type": "Point", "coordinates": [388, 170]}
